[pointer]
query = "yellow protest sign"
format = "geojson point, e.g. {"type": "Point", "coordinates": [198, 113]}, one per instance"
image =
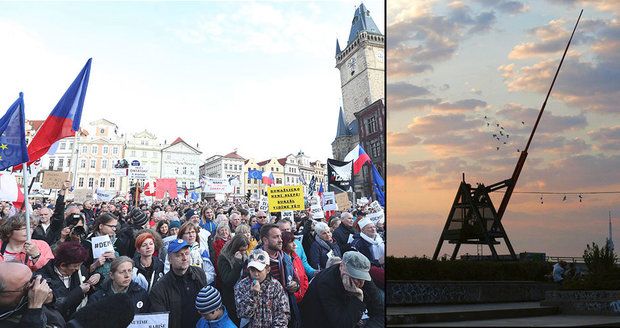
{"type": "Point", "coordinates": [286, 198]}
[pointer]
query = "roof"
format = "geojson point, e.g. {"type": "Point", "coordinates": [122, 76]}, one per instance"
{"type": "Point", "coordinates": [343, 129]}
{"type": "Point", "coordinates": [362, 22]}
{"type": "Point", "coordinates": [176, 141]}
{"type": "Point", "coordinates": [338, 51]}
{"type": "Point", "coordinates": [179, 140]}
{"type": "Point", "coordinates": [282, 161]}
{"type": "Point", "coordinates": [263, 162]}
{"type": "Point", "coordinates": [234, 155]}
{"type": "Point", "coordinates": [36, 124]}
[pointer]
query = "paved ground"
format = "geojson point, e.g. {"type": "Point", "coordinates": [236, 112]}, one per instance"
{"type": "Point", "coordinates": [459, 307]}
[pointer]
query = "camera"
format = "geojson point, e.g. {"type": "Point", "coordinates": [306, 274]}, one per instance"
{"type": "Point", "coordinates": [78, 231]}
{"type": "Point", "coordinates": [73, 219]}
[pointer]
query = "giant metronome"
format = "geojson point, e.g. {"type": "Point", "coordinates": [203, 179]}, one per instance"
{"type": "Point", "coordinates": [473, 218]}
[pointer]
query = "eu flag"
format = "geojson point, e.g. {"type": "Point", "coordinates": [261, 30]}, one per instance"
{"type": "Point", "coordinates": [255, 174]}
{"type": "Point", "coordinates": [13, 148]}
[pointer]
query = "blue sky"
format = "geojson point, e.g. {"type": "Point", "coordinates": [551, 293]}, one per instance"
{"type": "Point", "coordinates": [258, 76]}
{"type": "Point", "coordinates": [450, 64]}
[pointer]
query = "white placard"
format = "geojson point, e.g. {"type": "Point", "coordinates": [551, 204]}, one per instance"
{"type": "Point", "coordinates": [377, 217]}
{"type": "Point", "coordinates": [220, 197]}
{"type": "Point", "coordinates": [104, 195]}
{"type": "Point", "coordinates": [138, 172]}
{"type": "Point", "coordinates": [264, 204]}
{"type": "Point", "coordinates": [362, 201]}
{"type": "Point", "coordinates": [317, 212]}
{"type": "Point", "coordinates": [288, 215]}
{"type": "Point", "coordinates": [251, 211]}
{"type": "Point", "coordinates": [150, 320]}
{"type": "Point", "coordinates": [101, 244]}
{"type": "Point", "coordinates": [216, 186]}
{"type": "Point", "coordinates": [330, 201]}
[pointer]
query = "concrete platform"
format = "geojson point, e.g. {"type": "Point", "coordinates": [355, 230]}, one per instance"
{"type": "Point", "coordinates": [543, 321]}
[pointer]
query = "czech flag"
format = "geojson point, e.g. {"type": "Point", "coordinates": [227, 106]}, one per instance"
{"type": "Point", "coordinates": [359, 158]}
{"type": "Point", "coordinates": [10, 190]}
{"type": "Point", "coordinates": [268, 178]}
{"type": "Point", "coordinates": [149, 188]}
{"type": "Point", "coordinates": [64, 120]}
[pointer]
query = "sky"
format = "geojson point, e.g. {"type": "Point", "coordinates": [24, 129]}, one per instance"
{"type": "Point", "coordinates": [453, 63]}
{"type": "Point", "coordinates": [255, 76]}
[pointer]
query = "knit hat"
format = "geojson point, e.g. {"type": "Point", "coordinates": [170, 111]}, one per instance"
{"type": "Point", "coordinates": [189, 214]}
{"type": "Point", "coordinates": [138, 217]}
{"type": "Point", "coordinates": [208, 300]}
{"type": "Point", "coordinates": [174, 224]}
{"type": "Point", "coordinates": [142, 237]}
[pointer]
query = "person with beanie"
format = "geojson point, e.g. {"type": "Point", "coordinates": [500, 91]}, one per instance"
{"type": "Point", "coordinates": [126, 237]}
{"type": "Point", "coordinates": [213, 313]}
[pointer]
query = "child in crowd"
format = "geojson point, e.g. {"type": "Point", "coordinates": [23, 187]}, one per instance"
{"type": "Point", "coordinates": [212, 312]}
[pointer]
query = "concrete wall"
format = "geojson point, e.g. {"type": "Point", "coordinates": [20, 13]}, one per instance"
{"type": "Point", "coordinates": [592, 302]}
{"type": "Point", "coordinates": [462, 292]}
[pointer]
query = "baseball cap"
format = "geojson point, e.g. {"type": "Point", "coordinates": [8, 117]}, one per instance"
{"type": "Point", "coordinates": [258, 259]}
{"type": "Point", "coordinates": [357, 265]}
{"type": "Point", "coordinates": [177, 245]}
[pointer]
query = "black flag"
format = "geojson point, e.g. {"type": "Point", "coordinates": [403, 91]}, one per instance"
{"type": "Point", "coordinates": [339, 174]}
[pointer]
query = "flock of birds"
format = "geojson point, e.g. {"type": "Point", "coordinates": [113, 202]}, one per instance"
{"type": "Point", "coordinates": [499, 133]}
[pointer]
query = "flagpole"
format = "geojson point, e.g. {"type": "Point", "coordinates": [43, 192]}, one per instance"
{"type": "Point", "coordinates": [76, 140]}
{"type": "Point", "coordinates": [25, 183]}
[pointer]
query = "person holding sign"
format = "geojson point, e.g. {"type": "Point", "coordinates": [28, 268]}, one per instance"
{"type": "Point", "coordinates": [260, 299]}
{"type": "Point", "coordinates": [323, 247]}
{"type": "Point", "coordinates": [105, 225]}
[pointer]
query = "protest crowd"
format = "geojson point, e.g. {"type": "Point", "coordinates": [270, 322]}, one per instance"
{"type": "Point", "coordinates": [202, 263]}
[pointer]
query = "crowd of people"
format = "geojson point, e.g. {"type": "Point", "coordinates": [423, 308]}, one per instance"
{"type": "Point", "coordinates": [204, 263]}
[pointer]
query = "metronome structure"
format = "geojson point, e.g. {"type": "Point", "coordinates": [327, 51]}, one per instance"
{"type": "Point", "coordinates": [473, 218]}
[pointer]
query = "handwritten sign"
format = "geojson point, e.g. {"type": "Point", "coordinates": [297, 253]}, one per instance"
{"type": "Point", "coordinates": [216, 186]}
{"type": "Point", "coordinates": [101, 244]}
{"type": "Point", "coordinates": [251, 211]}
{"type": "Point", "coordinates": [150, 320]}
{"type": "Point", "coordinates": [138, 172]}
{"type": "Point", "coordinates": [362, 201]}
{"type": "Point", "coordinates": [317, 212]}
{"type": "Point", "coordinates": [104, 195]}
{"type": "Point", "coordinates": [342, 199]}
{"type": "Point", "coordinates": [285, 198]}
{"type": "Point", "coordinates": [55, 179]}
{"type": "Point", "coordinates": [82, 195]}
{"type": "Point", "coordinates": [264, 204]}
{"type": "Point", "coordinates": [288, 215]}
{"type": "Point", "coordinates": [329, 199]}
{"type": "Point", "coordinates": [377, 217]}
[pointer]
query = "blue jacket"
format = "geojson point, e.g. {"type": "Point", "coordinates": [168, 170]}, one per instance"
{"type": "Point", "coordinates": [209, 226]}
{"type": "Point", "coordinates": [223, 322]}
{"type": "Point", "coordinates": [318, 254]}
{"type": "Point", "coordinates": [364, 247]}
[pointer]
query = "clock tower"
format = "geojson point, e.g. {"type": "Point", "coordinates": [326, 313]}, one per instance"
{"type": "Point", "coordinates": [361, 64]}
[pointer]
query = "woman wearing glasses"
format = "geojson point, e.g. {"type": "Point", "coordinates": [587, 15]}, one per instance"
{"type": "Point", "coordinates": [105, 224]}
{"type": "Point", "coordinates": [121, 282]}
{"type": "Point", "coordinates": [15, 246]}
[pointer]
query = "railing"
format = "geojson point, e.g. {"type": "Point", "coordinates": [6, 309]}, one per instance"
{"type": "Point", "coordinates": [568, 259]}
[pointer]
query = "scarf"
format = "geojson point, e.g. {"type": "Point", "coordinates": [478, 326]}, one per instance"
{"type": "Point", "coordinates": [376, 245]}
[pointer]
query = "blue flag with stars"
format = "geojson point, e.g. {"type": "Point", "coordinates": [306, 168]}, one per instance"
{"type": "Point", "coordinates": [13, 148]}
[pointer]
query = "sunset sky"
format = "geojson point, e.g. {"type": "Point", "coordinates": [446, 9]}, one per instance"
{"type": "Point", "coordinates": [450, 64]}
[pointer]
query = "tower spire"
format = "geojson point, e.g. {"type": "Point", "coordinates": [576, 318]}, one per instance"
{"type": "Point", "coordinates": [338, 51]}
{"type": "Point", "coordinates": [610, 242]}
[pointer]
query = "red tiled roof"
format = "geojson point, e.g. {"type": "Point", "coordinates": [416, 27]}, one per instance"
{"type": "Point", "coordinates": [233, 155]}
{"type": "Point", "coordinates": [282, 161]}
{"type": "Point", "coordinates": [176, 141]}
{"type": "Point", "coordinates": [263, 162]}
{"type": "Point", "coordinates": [36, 124]}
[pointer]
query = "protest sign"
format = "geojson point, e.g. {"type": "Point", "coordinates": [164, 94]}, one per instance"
{"type": "Point", "coordinates": [342, 199]}
{"type": "Point", "coordinates": [82, 195]}
{"type": "Point", "coordinates": [220, 197]}
{"type": "Point", "coordinates": [339, 174]}
{"type": "Point", "coordinates": [166, 185]}
{"type": "Point", "coordinates": [377, 217]}
{"type": "Point", "coordinates": [150, 320]}
{"type": "Point", "coordinates": [285, 198]}
{"type": "Point", "coordinates": [104, 195]}
{"type": "Point", "coordinates": [329, 199]}
{"type": "Point", "coordinates": [264, 204]}
{"type": "Point", "coordinates": [288, 215]}
{"type": "Point", "coordinates": [251, 211]}
{"type": "Point", "coordinates": [216, 186]}
{"type": "Point", "coordinates": [317, 212]}
{"type": "Point", "coordinates": [101, 244]}
{"type": "Point", "coordinates": [138, 172]}
{"type": "Point", "coordinates": [55, 179]}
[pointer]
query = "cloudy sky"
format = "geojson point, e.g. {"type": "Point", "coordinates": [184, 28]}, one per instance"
{"type": "Point", "coordinates": [453, 63]}
{"type": "Point", "coordinates": [255, 75]}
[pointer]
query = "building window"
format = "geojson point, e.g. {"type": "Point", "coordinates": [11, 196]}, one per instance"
{"type": "Point", "coordinates": [371, 123]}
{"type": "Point", "coordinates": [183, 184]}
{"type": "Point", "coordinates": [191, 185]}
{"type": "Point", "coordinates": [112, 182]}
{"type": "Point", "coordinates": [176, 170]}
{"type": "Point", "coordinates": [144, 154]}
{"type": "Point", "coordinates": [105, 149]}
{"type": "Point", "coordinates": [83, 163]}
{"type": "Point", "coordinates": [68, 162]}
{"type": "Point", "coordinates": [133, 153]}
{"type": "Point", "coordinates": [104, 164]}
{"type": "Point", "coordinates": [71, 145]}
{"type": "Point", "coordinates": [375, 148]}
{"type": "Point", "coordinates": [84, 149]}
{"type": "Point", "coordinates": [225, 166]}
{"type": "Point", "coordinates": [153, 154]}
{"type": "Point", "coordinates": [102, 183]}
{"type": "Point", "coordinates": [115, 150]}
{"type": "Point", "coordinates": [91, 182]}
{"type": "Point", "coordinates": [63, 145]}
{"type": "Point", "coordinates": [61, 162]}
{"type": "Point", "coordinates": [184, 170]}
{"type": "Point", "coordinates": [93, 149]}
{"type": "Point", "coordinates": [93, 163]}
{"type": "Point", "coordinates": [51, 167]}
{"type": "Point", "coordinates": [278, 181]}
{"type": "Point", "coordinates": [81, 182]}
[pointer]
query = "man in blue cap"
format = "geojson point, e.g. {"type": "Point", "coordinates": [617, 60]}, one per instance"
{"type": "Point", "coordinates": [176, 290]}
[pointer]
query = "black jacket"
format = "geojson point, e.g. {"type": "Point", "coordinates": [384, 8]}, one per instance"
{"type": "Point", "coordinates": [165, 295]}
{"type": "Point", "coordinates": [23, 317]}
{"type": "Point", "coordinates": [158, 269]}
{"type": "Point", "coordinates": [341, 236]}
{"type": "Point", "coordinates": [364, 247]}
{"type": "Point", "coordinates": [66, 300]}
{"type": "Point", "coordinates": [139, 296]}
{"type": "Point", "coordinates": [328, 304]}
{"type": "Point", "coordinates": [57, 222]}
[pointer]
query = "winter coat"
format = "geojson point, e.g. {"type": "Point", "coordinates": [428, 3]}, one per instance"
{"type": "Point", "coordinates": [165, 296]}
{"type": "Point", "coordinates": [23, 317]}
{"type": "Point", "coordinates": [365, 248]}
{"type": "Point", "coordinates": [139, 296]}
{"type": "Point", "coordinates": [327, 304]}
{"type": "Point", "coordinates": [66, 300]}
{"type": "Point", "coordinates": [229, 273]}
{"type": "Point", "coordinates": [318, 253]}
{"type": "Point", "coordinates": [304, 260]}
{"type": "Point", "coordinates": [158, 271]}
{"type": "Point", "coordinates": [44, 248]}
{"type": "Point", "coordinates": [270, 308]}
{"type": "Point", "coordinates": [223, 322]}
{"type": "Point", "coordinates": [341, 236]}
{"type": "Point", "coordinates": [303, 278]}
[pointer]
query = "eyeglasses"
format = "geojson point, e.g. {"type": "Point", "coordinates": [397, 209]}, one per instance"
{"type": "Point", "coordinates": [24, 288]}
{"type": "Point", "coordinates": [111, 226]}
{"type": "Point", "coordinates": [261, 217]}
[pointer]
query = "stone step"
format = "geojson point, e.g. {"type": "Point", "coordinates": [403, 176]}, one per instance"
{"type": "Point", "coordinates": [465, 312]}
{"type": "Point", "coordinates": [558, 320]}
